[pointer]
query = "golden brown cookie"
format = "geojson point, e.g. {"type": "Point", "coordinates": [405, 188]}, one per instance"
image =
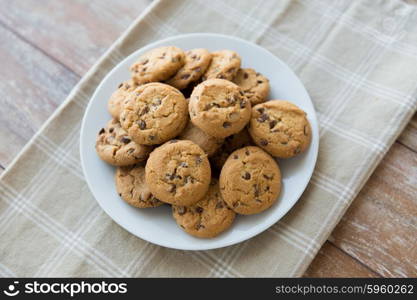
{"type": "Point", "coordinates": [178, 172]}
{"type": "Point", "coordinates": [253, 84]}
{"type": "Point", "coordinates": [280, 127]}
{"type": "Point", "coordinates": [132, 188]}
{"type": "Point", "coordinates": [116, 147]}
{"type": "Point", "coordinates": [218, 107]}
{"type": "Point", "coordinates": [157, 64]}
{"type": "Point", "coordinates": [231, 143]}
{"type": "Point", "coordinates": [208, 217]}
{"type": "Point", "coordinates": [119, 97]}
{"type": "Point", "coordinates": [250, 180]}
{"type": "Point", "coordinates": [224, 65]}
{"type": "Point", "coordinates": [208, 143]}
{"type": "Point", "coordinates": [196, 63]}
{"type": "Point", "coordinates": [154, 113]}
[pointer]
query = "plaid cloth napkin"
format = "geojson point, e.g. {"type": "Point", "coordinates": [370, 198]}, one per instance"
{"type": "Point", "coordinates": [357, 59]}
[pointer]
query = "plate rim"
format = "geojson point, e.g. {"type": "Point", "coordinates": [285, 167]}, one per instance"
{"type": "Point", "coordinates": [312, 116]}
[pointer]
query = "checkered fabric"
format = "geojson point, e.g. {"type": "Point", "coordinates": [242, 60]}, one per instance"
{"type": "Point", "coordinates": [358, 61]}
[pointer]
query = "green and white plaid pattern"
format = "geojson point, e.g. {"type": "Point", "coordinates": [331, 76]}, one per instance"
{"type": "Point", "coordinates": [357, 59]}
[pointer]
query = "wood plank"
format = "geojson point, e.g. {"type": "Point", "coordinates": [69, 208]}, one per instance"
{"type": "Point", "coordinates": [332, 262]}
{"type": "Point", "coordinates": [31, 87]}
{"type": "Point", "coordinates": [409, 135]}
{"type": "Point", "coordinates": [380, 227]}
{"type": "Point", "coordinates": [75, 33]}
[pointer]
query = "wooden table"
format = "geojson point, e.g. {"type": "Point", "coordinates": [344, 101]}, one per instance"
{"type": "Point", "coordinates": [46, 47]}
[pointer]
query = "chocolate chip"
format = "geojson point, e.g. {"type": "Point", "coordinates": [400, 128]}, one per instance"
{"type": "Point", "coordinates": [263, 142]}
{"type": "Point", "coordinates": [236, 204]}
{"type": "Point", "coordinates": [261, 110]}
{"type": "Point", "coordinates": [242, 104]}
{"type": "Point", "coordinates": [256, 190]}
{"type": "Point", "coordinates": [198, 226]}
{"type": "Point", "coordinates": [235, 156]}
{"type": "Point", "coordinates": [185, 76]}
{"type": "Point", "coordinates": [151, 137]}
{"type": "Point", "coordinates": [241, 93]}
{"type": "Point", "coordinates": [130, 150]}
{"type": "Point", "coordinates": [199, 209]}
{"type": "Point", "coordinates": [173, 188]}
{"type": "Point", "coordinates": [170, 176]}
{"type": "Point", "coordinates": [245, 75]}
{"type": "Point", "coordinates": [263, 117]}
{"type": "Point", "coordinates": [120, 194]}
{"type": "Point", "coordinates": [120, 85]}
{"type": "Point", "coordinates": [101, 131]}
{"type": "Point", "coordinates": [258, 200]}
{"type": "Point", "coordinates": [246, 176]}
{"type": "Point", "coordinates": [188, 179]}
{"type": "Point", "coordinates": [268, 177]}
{"type": "Point", "coordinates": [231, 100]}
{"type": "Point", "coordinates": [111, 130]}
{"type": "Point", "coordinates": [259, 81]}
{"type": "Point", "coordinates": [142, 124]}
{"type": "Point", "coordinates": [184, 164]}
{"type": "Point", "coordinates": [125, 140]}
{"type": "Point", "coordinates": [193, 57]}
{"type": "Point", "coordinates": [144, 110]}
{"type": "Point", "coordinates": [220, 76]}
{"type": "Point", "coordinates": [227, 124]}
{"type": "Point", "coordinates": [272, 124]}
{"type": "Point", "coordinates": [284, 143]}
{"type": "Point", "coordinates": [145, 61]}
{"type": "Point", "coordinates": [247, 152]}
{"type": "Point", "coordinates": [297, 150]}
{"type": "Point", "coordinates": [181, 210]}
{"type": "Point", "coordinates": [144, 69]}
{"type": "Point", "coordinates": [220, 204]}
{"type": "Point", "coordinates": [198, 160]}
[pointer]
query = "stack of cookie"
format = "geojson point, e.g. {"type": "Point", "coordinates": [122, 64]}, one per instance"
{"type": "Point", "coordinates": [192, 129]}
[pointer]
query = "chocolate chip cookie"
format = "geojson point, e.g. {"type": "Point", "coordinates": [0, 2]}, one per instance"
{"type": "Point", "coordinates": [280, 127]}
{"type": "Point", "coordinates": [250, 180]}
{"type": "Point", "coordinates": [253, 84]}
{"type": "Point", "coordinates": [119, 97]}
{"type": "Point", "coordinates": [224, 65]}
{"type": "Point", "coordinates": [178, 172]}
{"type": "Point", "coordinates": [219, 108]}
{"type": "Point", "coordinates": [116, 147]}
{"type": "Point", "coordinates": [196, 63]}
{"type": "Point", "coordinates": [231, 143]}
{"type": "Point", "coordinates": [154, 113]}
{"type": "Point", "coordinates": [132, 188]}
{"type": "Point", "coordinates": [208, 143]}
{"type": "Point", "coordinates": [208, 217]}
{"type": "Point", "coordinates": [157, 64]}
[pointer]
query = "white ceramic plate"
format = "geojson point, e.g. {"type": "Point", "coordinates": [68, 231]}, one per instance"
{"type": "Point", "coordinates": [156, 225]}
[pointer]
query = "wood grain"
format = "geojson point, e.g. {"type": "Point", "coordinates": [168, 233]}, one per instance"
{"type": "Point", "coordinates": [77, 32]}
{"type": "Point", "coordinates": [45, 46]}
{"type": "Point", "coordinates": [32, 85]}
{"type": "Point", "coordinates": [332, 262]}
{"type": "Point", "coordinates": [409, 136]}
{"type": "Point", "coordinates": [380, 227]}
